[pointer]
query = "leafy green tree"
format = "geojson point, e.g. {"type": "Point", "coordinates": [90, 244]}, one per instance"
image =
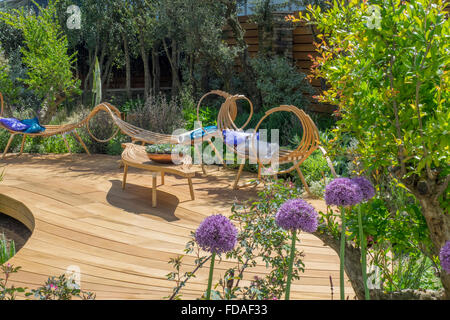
{"type": "Point", "coordinates": [387, 67]}
{"type": "Point", "coordinates": [50, 67]}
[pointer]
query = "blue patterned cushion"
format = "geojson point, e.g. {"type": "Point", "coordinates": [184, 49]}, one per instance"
{"type": "Point", "coordinates": [13, 124]}
{"type": "Point", "coordinates": [33, 125]}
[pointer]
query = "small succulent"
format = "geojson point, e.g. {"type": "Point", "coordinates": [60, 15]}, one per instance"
{"type": "Point", "coordinates": [160, 148]}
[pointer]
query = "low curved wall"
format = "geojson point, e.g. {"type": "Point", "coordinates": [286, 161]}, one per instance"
{"type": "Point", "coordinates": [17, 210]}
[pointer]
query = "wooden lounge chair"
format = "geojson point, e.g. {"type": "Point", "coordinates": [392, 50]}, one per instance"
{"type": "Point", "coordinates": [52, 130]}
{"type": "Point", "coordinates": [309, 143]}
{"type": "Point", "coordinates": [144, 136]}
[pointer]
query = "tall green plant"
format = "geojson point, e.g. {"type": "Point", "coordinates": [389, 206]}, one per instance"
{"type": "Point", "coordinates": [46, 56]}
{"type": "Point", "coordinates": [97, 85]}
{"type": "Point", "coordinates": [7, 249]}
{"type": "Point", "coordinates": [388, 74]}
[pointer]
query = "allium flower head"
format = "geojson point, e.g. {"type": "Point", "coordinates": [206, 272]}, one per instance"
{"type": "Point", "coordinates": [343, 192]}
{"type": "Point", "coordinates": [216, 234]}
{"type": "Point", "coordinates": [444, 256]}
{"type": "Point", "coordinates": [368, 192]}
{"type": "Point", "coordinates": [297, 214]}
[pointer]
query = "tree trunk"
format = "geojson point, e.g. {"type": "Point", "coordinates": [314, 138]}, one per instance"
{"type": "Point", "coordinates": [175, 77]}
{"type": "Point", "coordinates": [127, 65]}
{"type": "Point", "coordinates": [439, 225]}
{"type": "Point", "coordinates": [105, 75]}
{"type": "Point", "coordinates": [248, 72]}
{"type": "Point", "coordinates": [52, 107]}
{"type": "Point", "coordinates": [265, 31]}
{"type": "Point", "coordinates": [353, 271]}
{"type": "Point", "coordinates": [352, 264]}
{"type": "Point", "coordinates": [156, 68]}
{"type": "Point", "coordinates": [144, 56]}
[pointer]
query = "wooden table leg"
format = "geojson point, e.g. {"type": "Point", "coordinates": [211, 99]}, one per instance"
{"type": "Point", "coordinates": [162, 177]}
{"type": "Point", "coordinates": [191, 188]}
{"type": "Point", "coordinates": [125, 172]}
{"type": "Point", "coordinates": [154, 189]}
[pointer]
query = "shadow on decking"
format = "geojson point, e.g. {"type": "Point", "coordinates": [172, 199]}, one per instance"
{"type": "Point", "coordinates": [137, 199]}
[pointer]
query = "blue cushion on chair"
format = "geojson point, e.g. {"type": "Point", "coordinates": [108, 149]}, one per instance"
{"type": "Point", "coordinates": [33, 125]}
{"type": "Point", "coordinates": [13, 124]}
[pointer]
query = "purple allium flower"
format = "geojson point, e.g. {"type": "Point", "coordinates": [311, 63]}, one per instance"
{"type": "Point", "coordinates": [297, 214]}
{"type": "Point", "coordinates": [444, 256]}
{"type": "Point", "coordinates": [343, 192]}
{"type": "Point", "coordinates": [216, 234]}
{"type": "Point", "coordinates": [368, 192]}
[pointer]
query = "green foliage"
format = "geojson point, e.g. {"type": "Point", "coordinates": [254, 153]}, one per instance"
{"type": "Point", "coordinates": [390, 83]}
{"type": "Point", "coordinates": [45, 54]}
{"type": "Point", "coordinates": [207, 116]}
{"type": "Point", "coordinates": [280, 83]}
{"type": "Point", "coordinates": [6, 292]}
{"type": "Point", "coordinates": [55, 288]}
{"type": "Point", "coordinates": [7, 249]}
{"type": "Point", "coordinates": [60, 288]}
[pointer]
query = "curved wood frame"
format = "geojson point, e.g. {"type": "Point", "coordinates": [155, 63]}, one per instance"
{"type": "Point", "coordinates": [228, 113]}
{"type": "Point", "coordinates": [309, 143]}
{"type": "Point", "coordinates": [52, 130]}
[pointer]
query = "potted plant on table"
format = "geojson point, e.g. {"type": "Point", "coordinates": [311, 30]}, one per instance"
{"type": "Point", "coordinates": [162, 153]}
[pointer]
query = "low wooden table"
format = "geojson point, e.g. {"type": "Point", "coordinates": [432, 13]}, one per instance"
{"type": "Point", "coordinates": [136, 156]}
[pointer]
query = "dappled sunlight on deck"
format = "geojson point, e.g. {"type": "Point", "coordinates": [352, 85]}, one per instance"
{"type": "Point", "coordinates": [121, 244]}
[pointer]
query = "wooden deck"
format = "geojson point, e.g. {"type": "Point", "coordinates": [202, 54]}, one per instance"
{"type": "Point", "coordinates": [80, 216]}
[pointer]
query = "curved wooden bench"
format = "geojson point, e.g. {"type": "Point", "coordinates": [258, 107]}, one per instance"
{"type": "Point", "coordinates": [52, 130]}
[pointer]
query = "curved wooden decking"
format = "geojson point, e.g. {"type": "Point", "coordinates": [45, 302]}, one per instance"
{"type": "Point", "coordinates": [80, 216]}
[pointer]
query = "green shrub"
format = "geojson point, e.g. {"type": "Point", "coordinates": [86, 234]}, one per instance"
{"type": "Point", "coordinates": [279, 82]}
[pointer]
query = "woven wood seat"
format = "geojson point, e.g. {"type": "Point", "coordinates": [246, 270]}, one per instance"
{"type": "Point", "coordinates": [52, 130]}
{"type": "Point", "coordinates": [309, 143]}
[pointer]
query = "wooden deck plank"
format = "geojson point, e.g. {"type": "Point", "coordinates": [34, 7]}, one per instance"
{"type": "Point", "coordinates": [121, 244]}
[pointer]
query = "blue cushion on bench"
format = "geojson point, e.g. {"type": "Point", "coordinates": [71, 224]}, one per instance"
{"type": "Point", "coordinates": [33, 125]}
{"type": "Point", "coordinates": [13, 124]}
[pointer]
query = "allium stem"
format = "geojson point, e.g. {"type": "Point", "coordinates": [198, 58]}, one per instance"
{"type": "Point", "coordinates": [342, 254]}
{"type": "Point", "coordinates": [291, 263]}
{"type": "Point", "coordinates": [363, 254]}
{"type": "Point", "coordinates": [211, 271]}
